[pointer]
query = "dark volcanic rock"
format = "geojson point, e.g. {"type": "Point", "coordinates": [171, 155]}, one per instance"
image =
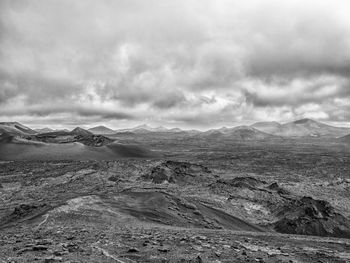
{"type": "Point", "coordinates": [308, 216]}
{"type": "Point", "coordinates": [133, 250]}
{"type": "Point", "coordinates": [77, 135]}
{"type": "Point", "coordinates": [275, 187]}
{"type": "Point", "coordinates": [242, 182]}
{"type": "Point", "coordinates": [93, 140]}
{"type": "Point", "coordinates": [24, 212]}
{"type": "Point", "coordinates": [178, 172]}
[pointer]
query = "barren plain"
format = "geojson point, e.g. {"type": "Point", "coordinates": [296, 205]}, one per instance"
{"type": "Point", "coordinates": [187, 199]}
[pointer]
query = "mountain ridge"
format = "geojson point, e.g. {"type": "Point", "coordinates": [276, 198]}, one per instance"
{"type": "Point", "coordinates": [101, 129]}
{"type": "Point", "coordinates": [298, 128]}
{"type": "Point", "coordinates": [301, 128]}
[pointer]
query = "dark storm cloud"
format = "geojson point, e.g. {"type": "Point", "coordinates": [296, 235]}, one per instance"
{"type": "Point", "coordinates": [170, 101]}
{"type": "Point", "coordinates": [189, 61]}
{"type": "Point", "coordinates": [36, 88]}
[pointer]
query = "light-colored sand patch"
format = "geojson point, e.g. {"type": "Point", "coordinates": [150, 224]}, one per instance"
{"type": "Point", "coordinates": [90, 203]}
{"type": "Point", "coordinates": [11, 186]}
{"type": "Point", "coordinates": [78, 203]}
{"type": "Point", "coordinates": [255, 208]}
{"type": "Point", "coordinates": [68, 177]}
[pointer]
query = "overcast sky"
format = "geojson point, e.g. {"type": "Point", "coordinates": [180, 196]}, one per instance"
{"type": "Point", "coordinates": [184, 63]}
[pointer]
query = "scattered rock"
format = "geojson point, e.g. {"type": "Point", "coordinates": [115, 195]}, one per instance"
{"type": "Point", "coordinates": [133, 250]}
{"type": "Point", "coordinates": [40, 248]}
{"type": "Point", "coordinates": [217, 253]}
{"type": "Point", "coordinates": [145, 243]}
{"type": "Point", "coordinates": [71, 247]}
{"type": "Point", "coordinates": [164, 249]}
{"type": "Point", "coordinates": [197, 212]}
{"type": "Point", "coordinates": [52, 259]}
{"type": "Point", "coordinates": [260, 260]}
{"type": "Point", "coordinates": [199, 259]}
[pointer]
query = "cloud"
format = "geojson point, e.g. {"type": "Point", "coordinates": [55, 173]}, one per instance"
{"type": "Point", "coordinates": [80, 110]}
{"type": "Point", "coordinates": [188, 62]}
{"type": "Point", "coordinates": [295, 92]}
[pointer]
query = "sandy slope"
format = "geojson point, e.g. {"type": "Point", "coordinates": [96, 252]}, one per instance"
{"type": "Point", "coordinates": [75, 151]}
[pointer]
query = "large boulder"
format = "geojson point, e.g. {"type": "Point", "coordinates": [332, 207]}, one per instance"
{"type": "Point", "coordinates": [308, 216]}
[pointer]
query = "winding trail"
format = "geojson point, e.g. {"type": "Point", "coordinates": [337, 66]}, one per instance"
{"type": "Point", "coordinates": [41, 223]}
{"type": "Point", "coordinates": [106, 253]}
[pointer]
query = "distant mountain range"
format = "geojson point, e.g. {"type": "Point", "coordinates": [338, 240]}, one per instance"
{"type": "Point", "coordinates": [144, 128]}
{"type": "Point", "coordinates": [42, 130]}
{"type": "Point", "coordinates": [18, 142]}
{"type": "Point", "coordinates": [15, 128]}
{"type": "Point", "coordinates": [304, 128]}
{"type": "Point", "coordinates": [258, 131]}
{"type": "Point", "coordinates": [301, 128]}
{"type": "Point", "coordinates": [46, 129]}
{"type": "Point", "coordinates": [101, 130]}
{"type": "Point", "coordinates": [240, 133]}
{"type": "Point", "coordinates": [81, 131]}
{"type": "Point", "coordinates": [268, 127]}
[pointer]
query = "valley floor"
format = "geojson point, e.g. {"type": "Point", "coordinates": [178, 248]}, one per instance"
{"type": "Point", "coordinates": [223, 203]}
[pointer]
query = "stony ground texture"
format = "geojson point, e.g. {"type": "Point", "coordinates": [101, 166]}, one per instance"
{"type": "Point", "coordinates": [208, 204]}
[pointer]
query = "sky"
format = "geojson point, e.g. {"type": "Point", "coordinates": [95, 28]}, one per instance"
{"type": "Point", "coordinates": [187, 63]}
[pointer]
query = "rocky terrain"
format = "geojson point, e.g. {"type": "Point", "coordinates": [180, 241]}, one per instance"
{"type": "Point", "coordinates": [191, 200]}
